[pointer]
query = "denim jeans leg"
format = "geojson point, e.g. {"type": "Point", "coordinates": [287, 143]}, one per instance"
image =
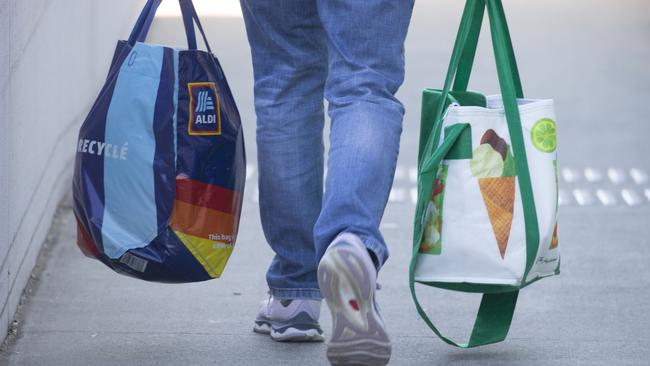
{"type": "Point", "coordinates": [290, 66]}
{"type": "Point", "coordinates": [366, 68]}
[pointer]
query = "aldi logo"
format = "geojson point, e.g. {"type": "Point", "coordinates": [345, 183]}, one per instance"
{"type": "Point", "coordinates": [205, 109]}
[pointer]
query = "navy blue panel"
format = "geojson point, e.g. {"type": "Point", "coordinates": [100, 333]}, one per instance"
{"type": "Point", "coordinates": [122, 50]}
{"type": "Point", "coordinates": [229, 107]}
{"type": "Point", "coordinates": [165, 156]}
{"type": "Point", "coordinates": [210, 159]}
{"type": "Point", "coordinates": [168, 260]}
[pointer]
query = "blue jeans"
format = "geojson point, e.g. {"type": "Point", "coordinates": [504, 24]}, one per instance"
{"type": "Point", "coordinates": [350, 52]}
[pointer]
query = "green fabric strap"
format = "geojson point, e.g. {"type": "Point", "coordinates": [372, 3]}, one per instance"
{"type": "Point", "coordinates": [462, 149]}
{"type": "Point", "coordinates": [507, 71]}
{"type": "Point", "coordinates": [496, 310]}
{"type": "Point", "coordinates": [469, 14]}
{"type": "Point", "coordinates": [492, 321]}
{"type": "Point", "coordinates": [469, 53]}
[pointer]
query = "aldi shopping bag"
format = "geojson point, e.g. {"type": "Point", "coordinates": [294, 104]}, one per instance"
{"type": "Point", "coordinates": [486, 219]}
{"type": "Point", "coordinates": [160, 165]}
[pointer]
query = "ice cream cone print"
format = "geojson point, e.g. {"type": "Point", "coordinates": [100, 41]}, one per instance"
{"type": "Point", "coordinates": [554, 241]}
{"type": "Point", "coordinates": [493, 164]}
{"type": "Point", "coordinates": [499, 197]}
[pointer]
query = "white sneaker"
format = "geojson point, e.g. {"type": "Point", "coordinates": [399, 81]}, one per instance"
{"type": "Point", "coordinates": [348, 279]}
{"type": "Point", "coordinates": [289, 320]}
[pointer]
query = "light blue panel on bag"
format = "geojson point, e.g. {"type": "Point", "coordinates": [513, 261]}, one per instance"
{"type": "Point", "coordinates": [128, 160]}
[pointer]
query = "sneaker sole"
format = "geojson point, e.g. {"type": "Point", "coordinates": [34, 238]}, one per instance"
{"type": "Point", "coordinates": [289, 334]}
{"type": "Point", "coordinates": [262, 328]}
{"type": "Point", "coordinates": [297, 335]}
{"type": "Point", "coordinates": [358, 336]}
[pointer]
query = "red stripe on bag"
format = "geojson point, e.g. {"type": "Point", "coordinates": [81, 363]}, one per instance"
{"type": "Point", "coordinates": [207, 195]}
{"type": "Point", "coordinates": [85, 242]}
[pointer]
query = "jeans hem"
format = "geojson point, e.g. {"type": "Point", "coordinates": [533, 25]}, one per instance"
{"type": "Point", "coordinates": [380, 250]}
{"type": "Point", "coordinates": [297, 293]}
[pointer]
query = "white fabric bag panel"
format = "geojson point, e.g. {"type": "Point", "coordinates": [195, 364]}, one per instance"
{"type": "Point", "coordinates": [470, 253]}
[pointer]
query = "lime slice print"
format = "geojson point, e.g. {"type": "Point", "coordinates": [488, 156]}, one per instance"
{"type": "Point", "coordinates": [544, 135]}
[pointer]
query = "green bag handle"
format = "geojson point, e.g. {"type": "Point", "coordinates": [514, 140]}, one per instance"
{"type": "Point", "coordinates": [508, 76]}
{"type": "Point", "coordinates": [461, 80]}
{"type": "Point", "coordinates": [469, 30]}
{"type": "Point", "coordinates": [496, 310]}
{"type": "Point", "coordinates": [469, 52]}
{"type": "Point", "coordinates": [462, 61]}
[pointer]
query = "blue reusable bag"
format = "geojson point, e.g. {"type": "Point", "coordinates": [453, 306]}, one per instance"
{"type": "Point", "coordinates": [160, 166]}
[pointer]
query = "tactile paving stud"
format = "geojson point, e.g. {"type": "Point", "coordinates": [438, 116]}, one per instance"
{"type": "Point", "coordinates": [583, 197]}
{"type": "Point", "coordinates": [570, 175]}
{"type": "Point", "coordinates": [593, 175]}
{"type": "Point", "coordinates": [639, 176]}
{"type": "Point", "coordinates": [616, 175]}
{"type": "Point", "coordinates": [630, 197]}
{"type": "Point", "coordinates": [606, 197]}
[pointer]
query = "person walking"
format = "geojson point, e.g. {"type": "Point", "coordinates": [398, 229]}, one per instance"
{"type": "Point", "coordinates": [327, 242]}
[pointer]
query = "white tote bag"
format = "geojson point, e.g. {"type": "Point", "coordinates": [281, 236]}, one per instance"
{"type": "Point", "coordinates": [483, 236]}
{"type": "Point", "coordinates": [487, 211]}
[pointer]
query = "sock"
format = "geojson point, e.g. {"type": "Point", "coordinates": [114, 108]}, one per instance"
{"type": "Point", "coordinates": [373, 256]}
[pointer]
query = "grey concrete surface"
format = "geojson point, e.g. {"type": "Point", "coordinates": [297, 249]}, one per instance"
{"type": "Point", "coordinates": [53, 58]}
{"type": "Point", "coordinates": [590, 56]}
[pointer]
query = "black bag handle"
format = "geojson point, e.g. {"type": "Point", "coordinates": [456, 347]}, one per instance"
{"type": "Point", "coordinates": [190, 17]}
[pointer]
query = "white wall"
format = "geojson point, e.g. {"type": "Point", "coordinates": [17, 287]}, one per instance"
{"type": "Point", "coordinates": [54, 55]}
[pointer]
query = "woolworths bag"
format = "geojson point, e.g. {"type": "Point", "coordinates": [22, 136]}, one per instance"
{"type": "Point", "coordinates": [486, 219]}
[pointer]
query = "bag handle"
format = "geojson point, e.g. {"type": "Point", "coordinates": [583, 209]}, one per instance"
{"type": "Point", "coordinates": [468, 55]}
{"type": "Point", "coordinates": [142, 19]}
{"type": "Point", "coordinates": [472, 15]}
{"type": "Point", "coordinates": [464, 71]}
{"type": "Point", "coordinates": [190, 17]}
{"type": "Point", "coordinates": [189, 9]}
{"type": "Point", "coordinates": [142, 26]}
{"type": "Point", "coordinates": [462, 60]}
{"type": "Point", "coordinates": [508, 77]}
{"type": "Point", "coordinates": [496, 310]}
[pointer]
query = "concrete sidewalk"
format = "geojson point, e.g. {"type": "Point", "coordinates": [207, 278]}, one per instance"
{"type": "Point", "coordinates": [77, 312]}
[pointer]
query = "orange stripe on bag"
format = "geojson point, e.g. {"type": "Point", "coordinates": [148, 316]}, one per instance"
{"type": "Point", "coordinates": [203, 222]}
{"type": "Point", "coordinates": [208, 195]}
